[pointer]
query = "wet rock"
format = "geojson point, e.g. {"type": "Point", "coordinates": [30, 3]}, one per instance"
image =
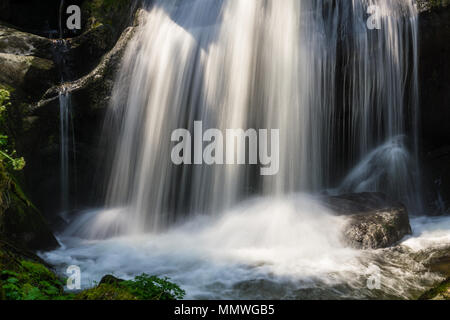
{"type": "Point", "coordinates": [374, 221]}
{"type": "Point", "coordinates": [109, 279]}
{"type": "Point", "coordinates": [90, 96]}
{"type": "Point", "coordinates": [27, 64]}
{"type": "Point", "coordinates": [30, 75]}
{"type": "Point", "coordinates": [436, 168]}
{"type": "Point", "coordinates": [20, 221]}
{"type": "Point", "coordinates": [440, 292]}
{"type": "Point", "coordinates": [21, 43]}
{"type": "Point", "coordinates": [434, 75]}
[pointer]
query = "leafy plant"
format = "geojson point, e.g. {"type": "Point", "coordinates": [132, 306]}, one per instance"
{"type": "Point", "coordinates": [32, 282]}
{"type": "Point", "coordinates": [17, 163]}
{"type": "Point", "coordinates": [146, 287]}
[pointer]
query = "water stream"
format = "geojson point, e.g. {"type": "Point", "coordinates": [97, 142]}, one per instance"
{"type": "Point", "coordinates": [345, 99]}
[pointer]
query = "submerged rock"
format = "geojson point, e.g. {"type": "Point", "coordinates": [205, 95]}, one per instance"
{"type": "Point", "coordinates": [374, 221]}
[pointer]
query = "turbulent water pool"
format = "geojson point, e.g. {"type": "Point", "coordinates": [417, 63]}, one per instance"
{"type": "Point", "coordinates": [264, 249]}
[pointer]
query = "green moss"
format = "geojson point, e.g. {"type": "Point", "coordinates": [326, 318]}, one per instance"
{"type": "Point", "coordinates": [105, 12]}
{"type": "Point", "coordinates": [432, 4]}
{"type": "Point", "coordinates": [441, 292]}
{"type": "Point", "coordinates": [41, 64]}
{"type": "Point", "coordinates": [143, 287]}
{"type": "Point", "coordinates": [106, 292]}
{"type": "Point", "coordinates": [28, 280]}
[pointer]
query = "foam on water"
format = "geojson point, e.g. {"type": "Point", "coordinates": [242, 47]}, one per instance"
{"type": "Point", "coordinates": [265, 248]}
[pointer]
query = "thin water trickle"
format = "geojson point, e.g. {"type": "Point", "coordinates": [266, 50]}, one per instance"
{"type": "Point", "coordinates": [65, 143]}
{"type": "Point", "coordinates": [67, 138]}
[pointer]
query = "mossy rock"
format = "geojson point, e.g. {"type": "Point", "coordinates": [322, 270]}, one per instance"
{"type": "Point", "coordinates": [20, 221]}
{"type": "Point", "coordinates": [114, 14]}
{"type": "Point", "coordinates": [426, 5]}
{"type": "Point", "coordinates": [30, 75]}
{"type": "Point", "coordinates": [441, 292]}
{"type": "Point", "coordinates": [17, 42]}
{"type": "Point", "coordinates": [24, 276]}
{"type": "Point", "coordinates": [106, 292]}
{"type": "Point", "coordinates": [143, 287]}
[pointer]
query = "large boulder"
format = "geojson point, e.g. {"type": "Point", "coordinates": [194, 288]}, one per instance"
{"type": "Point", "coordinates": [20, 221]}
{"type": "Point", "coordinates": [374, 221]}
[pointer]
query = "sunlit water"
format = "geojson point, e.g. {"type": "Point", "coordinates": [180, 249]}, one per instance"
{"type": "Point", "coordinates": [285, 248]}
{"type": "Point", "coordinates": [312, 69]}
{"type": "Point", "coordinates": [336, 89]}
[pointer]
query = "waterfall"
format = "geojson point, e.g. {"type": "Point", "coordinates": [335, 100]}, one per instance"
{"type": "Point", "coordinates": [336, 89]}
{"type": "Point", "coordinates": [64, 112]}
{"type": "Point", "coordinates": [61, 49]}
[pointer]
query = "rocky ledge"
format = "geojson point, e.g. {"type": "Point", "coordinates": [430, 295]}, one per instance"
{"type": "Point", "coordinates": [374, 221]}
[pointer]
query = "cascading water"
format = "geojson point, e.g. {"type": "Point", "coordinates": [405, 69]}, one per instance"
{"type": "Point", "coordinates": [312, 69]}
{"type": "Point", "coordinates": [65, 143]}
{"type": "Point", "coordinates": [345, 100]}
{"type": "Point", "coordinates": [65, 113]}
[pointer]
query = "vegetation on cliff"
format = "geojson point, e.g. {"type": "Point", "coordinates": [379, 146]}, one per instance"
{"type": "Point", "coordinates": [20, 220]}
{"type": "Point", "coordinates": [22, 279]}
{"type": "Point", "coordinates": [431, 4]}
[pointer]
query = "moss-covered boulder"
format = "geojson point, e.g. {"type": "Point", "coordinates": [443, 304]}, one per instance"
{"type": "Point", "coordinates": [440, 292]}
{"type": "Point", "coordinates": [26, 76]}
{"type": "Point", "coordinates": [20, 221]}
{"type": "Point", "coordinates": [106, 291]}
{"type": "Point", "coordinates": [24, 276]}
{"type": "Point", "coordinates": [143, 287]}
{"type": "Point", "coordinates": [17, 42]}
{"type": "Point", "coordinates": [113, 14]}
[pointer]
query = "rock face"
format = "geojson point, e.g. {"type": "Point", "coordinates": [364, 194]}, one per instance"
{"type": "Point", "coordinates": [20, 221]}
{"type": "Point", "coordinates": [434, 73]}
{"type": "Point", "coordinates": [27, 64]}
{"type": "Point", "coordinates": [437, 180]}
{"type": "Point", "coordinates": [434, 55]}
{"type": "Point", "coordinates": [374, 221]}
{"type": "Point", "coordinates": [34, 65]}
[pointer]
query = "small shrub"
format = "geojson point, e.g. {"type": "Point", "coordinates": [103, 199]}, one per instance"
{"type": "Point", "coordinates": [147, 287]}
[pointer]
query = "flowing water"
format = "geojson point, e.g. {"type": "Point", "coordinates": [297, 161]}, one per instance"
{"type": "Point", "coordinates": [65, 113]}
{"type": "Point", "coordinates": [344, 98]}
{"type": "Point", "coordinates": [65, 109]}
{"type": "Point", "coordinates": [266, 248]}
{"type": "Point", "coordinates": [313, 69]}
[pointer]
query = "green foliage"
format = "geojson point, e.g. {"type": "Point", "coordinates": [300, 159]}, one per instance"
{"type": "Point", "coordinates": [16, 163]}
{"type": "Point", "coordinates": [432, 4]}
{"type": "Point", "coordinates": [143, 287]}
{"type": "Point", "coordinates": [105, 12]}
{"type": "Point", "coordinates": [106, 291]}
{"type": "Point", "coordinates": [32, 281]}
{"type": "Point", "coordinates": [441, 292]}
{"type": "Point", "coordinates": [146, 287]}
